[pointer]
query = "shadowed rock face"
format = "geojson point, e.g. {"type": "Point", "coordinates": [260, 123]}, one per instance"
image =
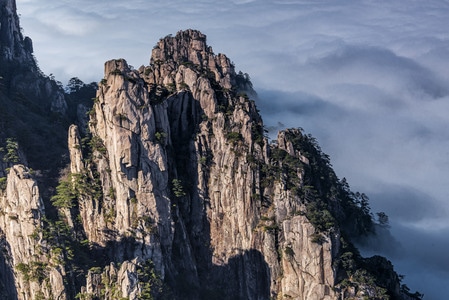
{"type": "Point", "coordinates": [14, 45]}
{"type": "Point", "coordinates": [20, 75]}
{"type": "Point", "coordinates": [175, 193]}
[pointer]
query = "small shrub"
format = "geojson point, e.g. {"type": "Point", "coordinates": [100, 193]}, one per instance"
{"type": "Point", "coordinates": [203, 160]}
{"type": "Point", "coordinates": [264, 218]}
{"type": "Point", "coordinates": [116, 72]}
{"type": "Point", "coordinates": [178, 190]}
{"type": "Point", "coordinates": [271, 228]}
{"type": "Point", "coordinates": [123, 117]}
{"type": "Point", "coordinates": [3, 182]}
{"type": "Point", "coordinates": [12, 151]}
{"type": "Point", "coordinates": [111, 193]}
{"type": "Point", "coordinates": [95, 270]}
{"type": "Point", "coordinates": [34, 271]}
{"type": "Point", "coordinates": [289, 251]}
{"type": "Point", "coordinates": [65, 194]}
{"type": "Point", "coordinates": [171, 87]}
{"type": "Point", "coordinates": [318, 238]}
{"type": "Point", "coordinates": [234, 137]}
{"type": "Point", "coordinates": [184, 86]}
{"type": "Point", "coordinates": [160, 136]}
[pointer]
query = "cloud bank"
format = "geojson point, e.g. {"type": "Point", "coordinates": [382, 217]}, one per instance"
{"type": "Point", "coordinates": [369, 79]}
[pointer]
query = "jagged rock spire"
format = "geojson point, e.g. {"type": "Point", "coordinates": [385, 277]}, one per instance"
{"type": "Point", "coordinates": [14, 47]}
{"type": "Point", "coordinates": [189, 45]}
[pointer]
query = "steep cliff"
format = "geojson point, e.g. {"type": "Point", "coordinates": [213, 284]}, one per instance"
{"type": "Point", "coordinates": [33, 105]}
{"type": "Point", "coordinates": [33, 126]}
{"type": "Point", "coordinates": [36, 267]}
{"type": "Point", "coordinates": [177, 178]}
{"type": "Point", "coordinates": [172, 191]}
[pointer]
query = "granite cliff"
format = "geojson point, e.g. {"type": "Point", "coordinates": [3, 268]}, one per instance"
{"type": "Point", "coordinates": [171, 190]}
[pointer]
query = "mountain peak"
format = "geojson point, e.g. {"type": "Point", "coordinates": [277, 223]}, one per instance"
{"type": "Point", "coordinates": [187, 46]}
{"type": "Point", "coordinates": [13, 46]}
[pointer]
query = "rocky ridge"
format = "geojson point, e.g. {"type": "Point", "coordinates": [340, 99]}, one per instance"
{"type": "Point", "coordinates": [174, 192]}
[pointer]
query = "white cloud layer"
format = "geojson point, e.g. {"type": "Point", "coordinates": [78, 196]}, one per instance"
{"type": "Point", "coordinates": [369, 79]}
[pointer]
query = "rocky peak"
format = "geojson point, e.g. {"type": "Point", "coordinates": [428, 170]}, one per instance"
{"type": "Point", "coordinates": [186, 46]}
{"type": "Point", "coordinates": [12, 43]}
{"type": "Point", "coordinates": [20, 73]}
{"type": "Point", "coordinates": [189, 49]}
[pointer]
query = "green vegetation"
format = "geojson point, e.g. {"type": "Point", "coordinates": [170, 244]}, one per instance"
{"type": "Point", "coordinates": [202, 161]}
{"type": "Point", "coordinates": [243, 81]}
{"type": "Point", "coordinates": [160, 137]}
{"type": "Point", "coordinates": [84, 296]}
{"type": "Point", "coordinates": [177, 189]}
{"type": "Point", "coordinates": [74, 85]}
{"type": "Point", "coordinates": [329, 205]}
{"type": "Point", "coordinates": [12, 151]}
{"type": "Point", "coordinates": [115, 72]}
{"type": "Point", "coordinates": [319, 215]}
{"type": "Point", "coordinates": [96, 144]}
{"type": "Point", "coordinates": [271, 228]}
{"type": "Point", "coordinates": [184, 86]}
{"type": "Point", "coordinates": [289, 251]}
{"type": "Point", "coordinates": [258, 131]}
{"type": "Point", "coordinates": [65, 193]}
{"type": "Point", "coordinates": [34, 271]}
{"type": "Point", "coordinates": [122, 117]}
{"type": "Point", "coordinates": [171, 87]}
{"type": "Point", "coordinates": [322, 189]}
{"type": "Point", "coordinates": [318, 238]}
{"type": "Point", "coordinates": [234, 137]}
{"type": "Point", "coordinates": [75, 186]}
{"type": "Point", "coordinates": [150, 282]}
{"type": "Point", "coordinates": [95, 270]}
{"type": "Point", "coordinates": [3, 182]}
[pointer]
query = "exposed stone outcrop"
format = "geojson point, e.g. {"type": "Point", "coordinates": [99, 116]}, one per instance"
{"type": "Point", "coordinates": [175, 193]}
{"type": "Point", "coordinates": [19, 73]}
{"type": "Point", "coordinates": [181, 146]}
{"type": "Point", "coordinates": [27, 256]}
{"type": "Point", "coordinates": [13, 45]}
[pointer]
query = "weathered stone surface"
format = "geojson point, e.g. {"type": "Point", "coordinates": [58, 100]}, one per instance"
{"type": "Point", "coordinates": [19, 68]}
{"type": "Point", "coordinates": [21, 223]}
{"type": "Point", "coordinates": [209, 138]}
{"type": "Point", "coordinates": [76, 156]}
{"type": "Point", "coordinates": [13, 45]}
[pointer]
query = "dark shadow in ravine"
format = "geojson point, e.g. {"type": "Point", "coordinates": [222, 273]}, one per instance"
{"type": "Point", "coordinates": [193, 274]}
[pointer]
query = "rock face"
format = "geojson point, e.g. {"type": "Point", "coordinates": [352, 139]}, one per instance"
{"type": "Point", "coordinates": [189, 183]}
{"type": "Point", "coordinates": [174, 192]}
{"type": "Point", "coordinates": [19, 74]}
{"type": "Point", "coordinates": [13, 45]}
{"type": "Point", "coordinates": [35, 268]}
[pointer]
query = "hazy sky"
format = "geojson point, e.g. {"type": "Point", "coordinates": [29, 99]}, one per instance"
{"type": "Point", "coordinates": [369, 79]}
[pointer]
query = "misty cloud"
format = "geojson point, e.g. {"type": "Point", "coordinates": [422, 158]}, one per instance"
{"type": "Point", "coordinates": [380, 67]}
{"type": "Point", "coordinates": [395, 198]}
